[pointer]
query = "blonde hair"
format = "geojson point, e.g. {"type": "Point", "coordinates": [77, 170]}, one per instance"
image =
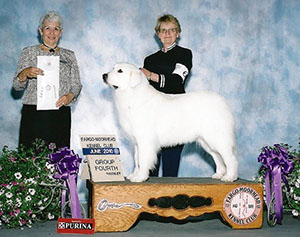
{"type": "Point", "coordinates": [167, 18]}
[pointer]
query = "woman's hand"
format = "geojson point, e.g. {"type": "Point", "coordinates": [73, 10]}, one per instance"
{"type": "Point", "coordinates": [30, 72]}
{"type": "Point", "coordinates": [65, 100]}
{"type": "Point", "coordinates": [146, 72]}
{"type": "Point", "coordinates": [150, 75]}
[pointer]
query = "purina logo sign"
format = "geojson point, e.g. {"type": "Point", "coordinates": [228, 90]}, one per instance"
{"type": "Point", "coordinates": [78, 226]}
{"type": "Point", "coordinates": [81, 226]}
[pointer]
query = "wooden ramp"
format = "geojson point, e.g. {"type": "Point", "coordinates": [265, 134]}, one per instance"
{"type": "Point", "coordinates": [116, 206]}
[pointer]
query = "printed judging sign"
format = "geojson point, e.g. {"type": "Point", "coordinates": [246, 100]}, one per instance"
{"type": "Point", "coordinates": [103, 158]}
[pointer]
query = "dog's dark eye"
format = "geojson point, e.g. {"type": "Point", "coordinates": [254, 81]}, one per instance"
{"type": "Point", "coordinates": [120, 71]}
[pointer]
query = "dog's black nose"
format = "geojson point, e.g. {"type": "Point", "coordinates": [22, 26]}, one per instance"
{"type": "Point", "coordinates": [104, 76]}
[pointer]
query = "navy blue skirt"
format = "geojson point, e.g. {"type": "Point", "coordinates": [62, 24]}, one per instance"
{"type": "Point", "coordinates": [48, 125]}
{"type": "Point", "coordinates": [170, 159]}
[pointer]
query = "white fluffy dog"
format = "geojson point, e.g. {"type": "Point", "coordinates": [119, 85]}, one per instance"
{"type": "Point", "coordinates": [153, 120]}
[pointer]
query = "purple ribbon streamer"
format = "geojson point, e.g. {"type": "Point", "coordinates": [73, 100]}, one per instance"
{"type": "Point", "coordinates": [277, 164]}
{"type": "Point", "coordinates": [67, 167]}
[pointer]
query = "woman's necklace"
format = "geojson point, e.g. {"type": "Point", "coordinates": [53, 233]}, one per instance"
{"type": "Point", "coordinates": [51, 50]}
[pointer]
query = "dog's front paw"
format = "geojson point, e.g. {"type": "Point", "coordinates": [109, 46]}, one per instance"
{"type": "Point", "coordinates": [139, 177]}
{"type": "Point", "coordinates": [217, 176]}
{"type": "Point", "coordinates": [130, 176]}
{"type": "Point", "coordinates": [229, 178]}
{"type": "Point", "coordinates": [134, 173]}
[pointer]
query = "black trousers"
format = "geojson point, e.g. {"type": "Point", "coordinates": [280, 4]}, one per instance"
{"type": "Point", "coordinates": [48, 125]}
{"type": "Point", "coordinates": [170, 158]}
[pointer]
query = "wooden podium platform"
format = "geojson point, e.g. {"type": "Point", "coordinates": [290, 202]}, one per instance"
{"type": "Point", "coordinates": [116, 206]}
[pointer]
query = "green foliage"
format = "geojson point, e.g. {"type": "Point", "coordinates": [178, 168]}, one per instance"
{"type": "Point", "coordinates": [28, 191]}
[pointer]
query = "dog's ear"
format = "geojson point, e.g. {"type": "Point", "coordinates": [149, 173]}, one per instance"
{"type": "Point", "coordinates": [135, 78]}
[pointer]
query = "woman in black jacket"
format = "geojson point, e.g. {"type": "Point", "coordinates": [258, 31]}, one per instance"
{"type": "Point", "coordinates": [167, 71]}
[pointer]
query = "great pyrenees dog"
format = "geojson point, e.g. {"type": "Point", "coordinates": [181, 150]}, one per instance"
{"type": "Point", "coordinates": [153, 120]}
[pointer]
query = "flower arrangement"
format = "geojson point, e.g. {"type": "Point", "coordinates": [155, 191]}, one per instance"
{"type": "Point", "coordinates": [290, 169]}
{"type": "Point", "coordinates": [28, 191]}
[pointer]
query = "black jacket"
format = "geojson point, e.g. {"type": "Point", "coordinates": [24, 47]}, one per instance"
{"type": "Point", "coordinates": [173, 67]}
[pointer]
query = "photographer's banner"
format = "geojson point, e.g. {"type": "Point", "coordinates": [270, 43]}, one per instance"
{"type": "Point", "coordinates": [103, 158]}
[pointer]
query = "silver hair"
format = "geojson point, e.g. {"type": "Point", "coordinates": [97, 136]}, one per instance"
{"type": "Point", "coordinates": [51, 16]}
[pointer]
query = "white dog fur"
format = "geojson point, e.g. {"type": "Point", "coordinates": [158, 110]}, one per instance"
{"type": "Point", "coordinates": [153, 120]}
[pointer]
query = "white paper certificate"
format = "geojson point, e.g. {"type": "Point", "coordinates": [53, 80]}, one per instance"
{"type": "Point", "coordinates": [48, 85]}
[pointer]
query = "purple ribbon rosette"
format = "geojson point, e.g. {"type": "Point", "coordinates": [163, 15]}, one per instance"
{"type": "Point", "coordinates": [277, 165]}
{"type": "Point", "coordinates": [67, 165]}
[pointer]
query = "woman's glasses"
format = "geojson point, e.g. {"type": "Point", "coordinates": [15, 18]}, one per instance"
{"type": "Point", "coordinates": [171, 30]}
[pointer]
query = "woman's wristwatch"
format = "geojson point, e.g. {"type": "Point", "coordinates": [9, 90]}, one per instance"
{"type": "Point", "coordinates": [149, 77]}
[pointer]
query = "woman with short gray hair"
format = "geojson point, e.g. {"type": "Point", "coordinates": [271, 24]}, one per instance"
{"type": "Point", "coordinates": [51, 16]}
{"type": "Point", "coordinates": [52, 126]}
